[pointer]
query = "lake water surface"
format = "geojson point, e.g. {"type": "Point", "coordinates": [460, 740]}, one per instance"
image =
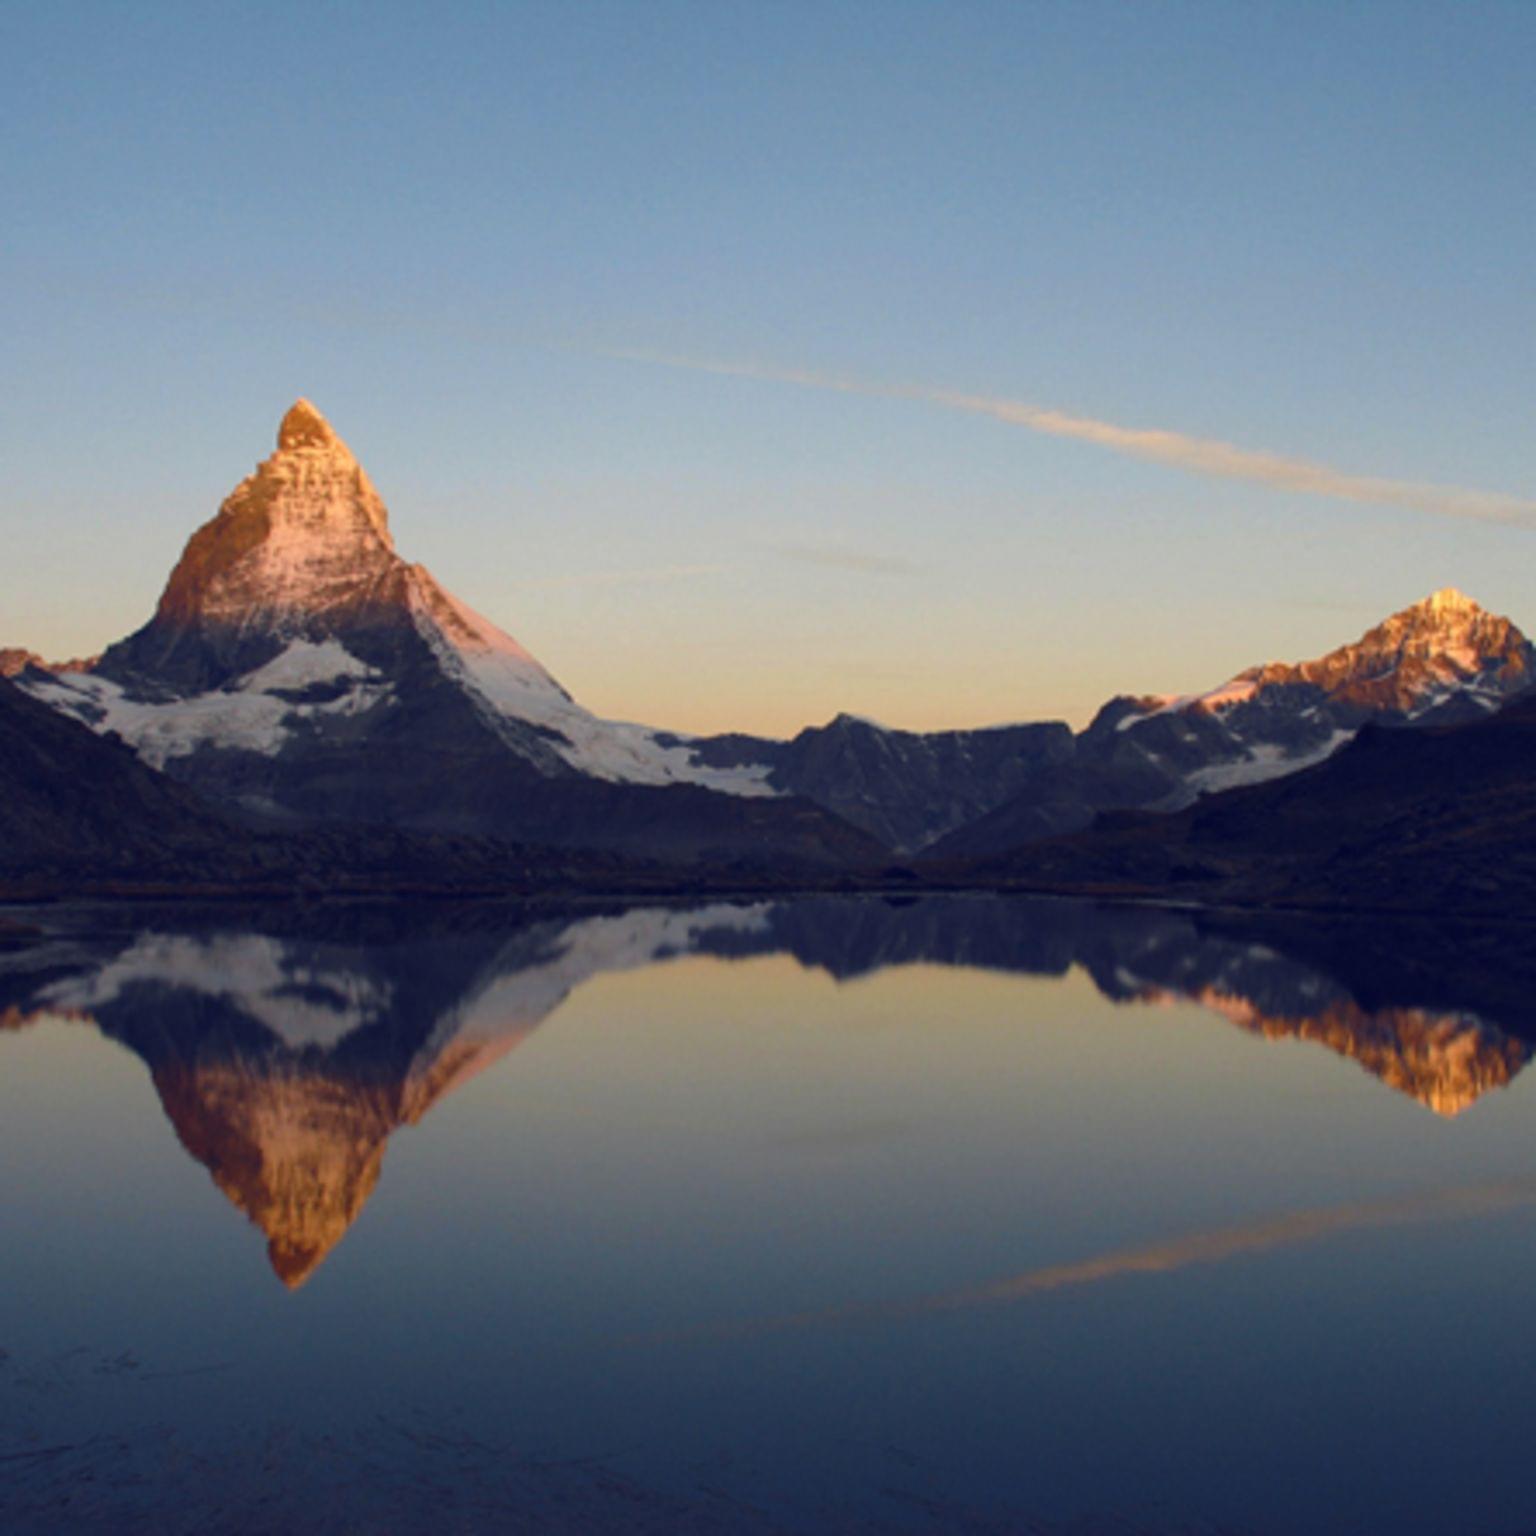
{"type": "Point", "coordinates": [828, 1215]}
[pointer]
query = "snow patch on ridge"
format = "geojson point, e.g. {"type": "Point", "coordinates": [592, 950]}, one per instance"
{"type": "Point", "coordinates": [1236, 690]}
{"type": "Point", "coordinates": [304, 664]}
{"type": "Point", "coordinates": [1261, 764]}
{"type": "Point", "coordinates": [248, 716]}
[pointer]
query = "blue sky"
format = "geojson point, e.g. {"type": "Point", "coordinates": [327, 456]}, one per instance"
{"type": "Point", "coordinates": [1301, 229]}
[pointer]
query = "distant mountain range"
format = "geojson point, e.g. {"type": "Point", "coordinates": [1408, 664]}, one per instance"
{"type": "Point", "coordinates": [969, 793]}
{"type": "Point", "coordinates": [299, 674]}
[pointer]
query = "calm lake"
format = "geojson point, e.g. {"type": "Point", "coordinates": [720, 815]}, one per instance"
{"type": "Point", "coordinates": [954, 1213]}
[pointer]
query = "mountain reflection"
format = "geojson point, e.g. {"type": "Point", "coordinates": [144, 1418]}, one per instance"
{"type": "Point", "coordinates": [287, 1046]}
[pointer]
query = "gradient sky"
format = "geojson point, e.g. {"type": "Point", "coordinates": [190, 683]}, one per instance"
{"type": "Point", "coordinates": [467, 232]}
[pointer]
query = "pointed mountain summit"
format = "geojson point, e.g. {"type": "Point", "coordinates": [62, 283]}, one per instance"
{"type": "Point", "coordinates": [299, 667]}
{"type": "Point", "coordinates": [1419, 658]}
{"type": "Point", "coordinates": [295, 584]}
{"type": "Point", "coordinates": [1445, 1060]}
{"type": "Point", "coordinates": [1447, 600]}
{"type": "Point", "coordinates": [305, 427]}
{"type": "Point", "coordinates": [1440, 658]}
{"type": "Point", "coordinates": [304, 539]}
{"type": "Point", "coordinates": [1441, 647]}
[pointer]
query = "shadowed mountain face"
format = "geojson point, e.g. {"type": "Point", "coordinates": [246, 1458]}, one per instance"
{"type": "Point", "coordinates": [287, 1048]}
{"type": "Point", "coordinates": [70, 801]}
{"type": "Point", "coordinates": [1437, 819]}
{"type": "Point", "coordinates": [904, 787]}
{"type": "Point", "coordinates": [82, 812]}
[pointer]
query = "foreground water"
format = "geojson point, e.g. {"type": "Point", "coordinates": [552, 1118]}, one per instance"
{"type": "Point", "coordinates": [953, 1214]}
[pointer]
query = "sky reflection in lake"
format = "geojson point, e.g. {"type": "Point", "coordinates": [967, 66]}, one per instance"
{"type": "Point", "coordinates": [814, 1215]}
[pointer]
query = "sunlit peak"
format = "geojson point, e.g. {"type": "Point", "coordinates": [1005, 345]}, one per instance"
{"type": "Point", "coordinates": [304, 427]}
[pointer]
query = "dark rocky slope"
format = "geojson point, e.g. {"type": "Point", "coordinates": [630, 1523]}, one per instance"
{"type": "Point", "coordinates": [70, 800]}
{"type": "Point", "coordinates": [82, 813]}
{"type": "Point", "coordinates": [1442, 818]}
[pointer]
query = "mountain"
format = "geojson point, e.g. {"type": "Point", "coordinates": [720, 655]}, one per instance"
{"type": "Point", "coordinates": [1446, 1061]}
{"type": "Point", "coordinates": [1440, 818]}
{"type": "Point", "coordinates": [299, 669]}
{"type": "Point", "coordinates": [1441, 661]}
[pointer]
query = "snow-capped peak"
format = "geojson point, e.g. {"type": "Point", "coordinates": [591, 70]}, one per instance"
{"type": "Point", "coordinates": [291, 619]}
{"type": "Point", "coordinates": [1409, 662]}
{"type": "Point", "coordinates": [1417, 657]}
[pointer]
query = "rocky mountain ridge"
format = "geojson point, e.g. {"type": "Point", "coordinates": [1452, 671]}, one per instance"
{"type": "Point", "coordinates": [903, 787]}
{"type": "Point", "coordinates": [14, 661]}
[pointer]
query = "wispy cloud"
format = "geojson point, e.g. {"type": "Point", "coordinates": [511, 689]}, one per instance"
{"type": "Point", "coordinates": [644, 577]}
{"type": "Point", "coordinates": [1180, 450]}
{"type": "Point", "coordinates": [844, 557]}
{"type": "Point", "coordinates": [1163, 1257]}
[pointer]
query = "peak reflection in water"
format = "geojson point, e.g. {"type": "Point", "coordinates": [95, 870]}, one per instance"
{"type": "Point", "coordinates": [287, 1050]}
